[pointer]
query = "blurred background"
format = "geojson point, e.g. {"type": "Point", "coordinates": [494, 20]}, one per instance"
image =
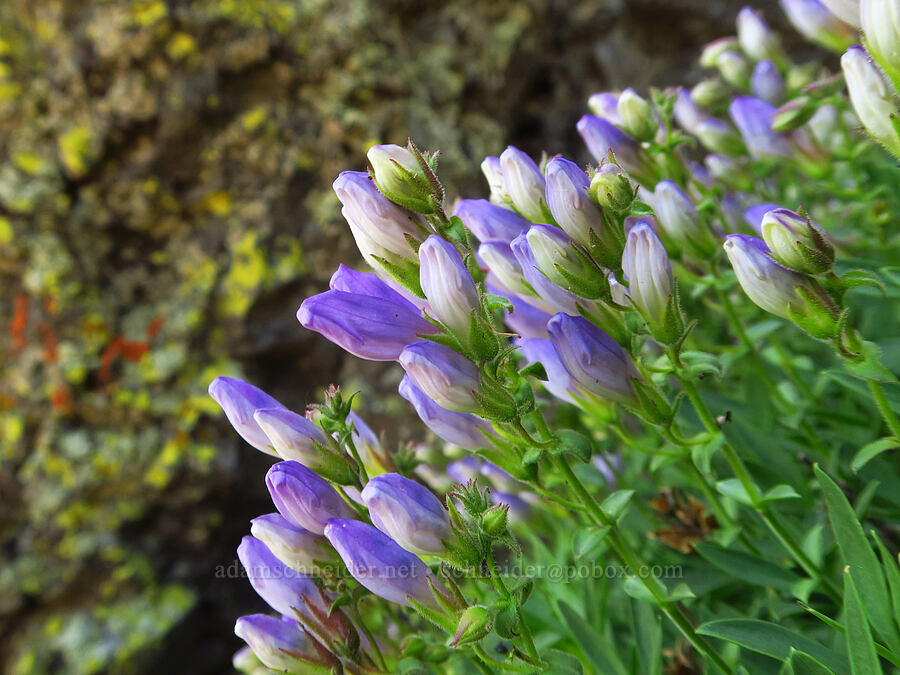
{"type": "Point", "coordinates": [165, 205]}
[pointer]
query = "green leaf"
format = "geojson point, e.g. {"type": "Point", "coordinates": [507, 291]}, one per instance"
{"type": "Point", "coordinates": [863, 659]}
{"type": "Point", "coordinates": [772, 640]}
{"type": "Point", "coordinates": [574, 443]}
{"type": "Point", "coordinates": [732, 488]}
{"type": "Point", "coordinates": [702, 454]}
{"type": "Point", "coordinates": [615, 505]}
{"type": "Point", "coordinates": [872, 450]}
{"type": "Point", "coordinates": [595, 645]}
{"type": "Point", "coordinates": [869, 366]}
{"type": "Point", "coordinates": [801, 663]}
{"type": "Point", "coordinates": [748, 567]}
{"type": "Point", "coordinates": [562, 663]}
{"type": "Point", "coordinates": [648, 634]}
{"type": "Point", "coordinates": [891, 573]}
{"type": "Point", "coordinates": [587, 540]}
{"type": "Point", "coordinates": [780, 492]}
{"type": "Point", "coordinates": [857, 553]}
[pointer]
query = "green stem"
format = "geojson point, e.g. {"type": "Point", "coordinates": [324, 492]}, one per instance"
{"type": "Point", "coordinates": [379, 657]}
{"type": "Point", "coordinates": [629, 558]}
{"type": "Point", "coordinates": [500, 587]}
{"type": "Point", "coordinates": [890, 417]}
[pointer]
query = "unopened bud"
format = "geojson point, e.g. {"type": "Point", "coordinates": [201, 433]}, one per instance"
{"type": "Point", "coordinates": [797, 242]}
{"type": "Point", "coordinates": [612, 191]}
{"type": "Point", "coordinates": [474, 624]}
{"type": "Point", "coordinates": [401, 178]}
{"type": "Point", "coordinates": [636, 114]}
{"type": "Point", "coordinates": [496, 520]}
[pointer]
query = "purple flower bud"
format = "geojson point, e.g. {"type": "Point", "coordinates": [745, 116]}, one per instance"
{"type": "Point", "coordinates": [523, 182]}
{"type": "Point", "coordinates": [687, 113]}
{"type": "Point", "coordinates": [381, 565]}
{"type": "Point", "coordinates": [349, 280]}
{"type": "Point", "coordinates": [873, 99]}
{"type": "Point", "coordinates": [605, 104]}
{"type": "Point", "coordinates": [379, 226]}
{"type": "Point", "coordinates": [813, 20]}
{"type": "Point", "coordinates": [754, 35]}
{"type": "Point", "coordinates": [283, 589]}
{"type": "Point", "coordinates": [366, 326]}
{"type": "Point", "coordinates": [646, 265]}
{"type": "Point", "coordinates": [488, 221]}
{"type": "Point", "coordinates": [561, 263]}
{"type": "Point", "coordinates": [464, 470]}
{"type": "Point", "coordinates": [679, 219]}
{"type": "Point", "coordinates": [552, 295]}
{"type": "Point", "coordinates": [848, 11]}
{"type": "Point", "coordinates": [636, 116]}
{"type": "Point", "coordinates": [292, 435]}
{"type": "Point", "coordinates": [463, 429]}
{"type": "Point", "coordinates": [767, 82]}
{"type": "Point", "coordinates": [568, 200]}
{"type": "Point", "coordinates": [754, 214]}
{"type": "Point", "coordinates": [407, 512]}
{"type": "Point", "coordinates": [445, 376]}
{"type": "Point", "coordinates": [296, 547]}
{"type": "Point", "coordinates": [601, 136]}
{"type": "Point", "coordinates": [607, 465]}
{"type": "Point", "coordinates": [593, 359]}
{"type": "Point", "coordinates": [753, 118]}
{"type": "Point", "coordinates": [493, 172]}
{"type": "Point", "coordinates": [273, 640]}
{"type": "Point", "coordinates": [303, 497]}
{"type": "Point", "coordinates": [239, 401]}
{"type": "Point", "coordinates": [499, 258]}
{"type": "Point", "coordinates": [766, 282]}
{"type": "Point", "coordinates": [559, 383]}
{"type": "Point", "coordinates": [447, 284]}
{"type": "Point", "coordinates": [367, 443]}
{"type": "Point", "coordinates": [797, 242]}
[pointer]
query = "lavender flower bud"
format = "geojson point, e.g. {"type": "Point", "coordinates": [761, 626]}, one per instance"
{"type": "Point", "coordinates": [593, 359]}
{"type": "Point", "coordinates": [366, 326]}
{"type": "Point", "coordinates": [503, 265]}
{"type": "Point", "coordinates": [562, 264]}
{"type": "Point", "coordinates": [523, 182]}
{"type": "Point", "coordinates": [753, 118]}
{"type": "Point", "coordinates": [446, 376]}
{"type": "Point", "coordinates": [881, 25]}
{"type": "Point", "coordinates": [687, 112]}
{"type": "Point", "coordinates": [381, 565]}
{"type": "Point", "coordinates": [407, 512]}
{"type": "Point", "coordinates": [447, 284]}
{"type": "Point", "coordinates": [874, 101]}
{"type": "Point", "coordinates": [767, 83]}
{"type": "Point", "coordinates": [754, 214]}
{"type": "Point", "coordinates": [401, 178]}
{"type": "Point", "coordinates": [680, 221]}
{"type": "Point", "coordinates": [463, 429]}
{"type": "Point", "coordinates": [797, 242]}
{"type": "Point", "coordinates": [636, 116]}
{"type": "Point", "coordinates": [755, 37]}
{"type": "Point", "coordinates": [297, 548]}
{"type": "Point", "coordinates": [559, 382]}
{"type": "Point", "coordinates": [349, 280]}
{"type": "Point", "coordinates": [239, 401]}
{"type": "Point", "coordinates": [847, 11]}
{"type": "Point", "coordinates": [650, 284]}
{"type": "Point", "coordinates": [813, 20]}
{"type": "Point", "coordinates": [568, 200]}
{"type": "Point", "coordinates": [490, 222]}
{"type": "Point", "coordinates": [601, 137]}
{"type": "Point", "coordinates": [605, 104]}
{"type": "Point", "coordinates": [303, 498]}
{"type": "Point", "coordinates": [380, 227]}
{"type": "Point", "coordinates": [273, 640]}
{"type": "Point", "coordinates": [493, 172]}
{"type": "Point", "coordinates": [283, 589]}
{"type": "Point", "coordinates": [551, 295]}
{"type": "Point", "coordinates": [292, 435]}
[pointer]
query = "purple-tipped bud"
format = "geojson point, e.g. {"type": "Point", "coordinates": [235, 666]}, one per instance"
{"type": "Point", "coordinates": [848, 11]}
{"type": "Point", "coordinates": [636, 115]}
{"type": "Point", "coordinates": [559, 382]}
{"type": "Point", "coordinates": [714, 49]}
{"type": "Point", "coordinates": [240, 401]}
{"type": "Point", "coordinates": [562, 263]}
{"type": "Point", "coordinates": [687, 112]}
{"type": "Point", "coordinates": [296, 547]}
{"type": "Point", "coordinates": [753, 118]}
{"type": "Point", "coordinates": [445, 376]}
{"type": "Point", "coordinates": [488, 221]}
{"type": "Point", "coordinates": [407, 512]}
{"type": "Point", "coordinates": [447, 284]}
{"type": "Point", "coordinates": [381, 565]}
{"type": "Point", "coordinates": [401, 178]}
{"type": "Point", "coordinates": [568, 200]}
{"type": "Point", "coordinates": [680, 221]}
{"type": "Point", "coordinates": [292, 435]}
{"type": "Point", "coordinates": [499, 258]}
{"type": "Point", "coordinates": [551, 294]}
{"type": "Point", "coordinates": [813, 20]}
{"type": "Point", "coordinates": [767, 82]}
{"type": "Point", "coordinates": [593, 359]}
{"type": "Point", "coordinates": [349, 280]}
{"type": "Point", "coordinates": [379, 226]}
{"type": "Point", "coordinates": [283, 589]}
{"type": "Point", "coordinates": [273, 640]}
{"type": "Point", "coordinates": [304, 498]}
{"type": "Point", "coordinates": [650, 284]}
{"type": "Point", "coordinates": [463, 429]}
{"type": "Point", "coordinates": [366, 326]}
{"type": "Point", "coordinates": [602, 136]}
{"type": "Point", "coordinates": [755, 37]}
{"type": "Point", "coordinates": [754, 214]}
{"type": "Point", "coordinates": [523, 182]}
{"type": "Point", "coordinates": [880, 21]}
{"type": "Point", "coordinates": [797, 242]}
{"type": "Point", "coordinates": [605, 104]}
{"type": "Point", "coordinates": [873, 99]}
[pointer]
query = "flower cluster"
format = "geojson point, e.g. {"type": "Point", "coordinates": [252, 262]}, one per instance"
{"type": "Point", "coordinates": [575, 294]}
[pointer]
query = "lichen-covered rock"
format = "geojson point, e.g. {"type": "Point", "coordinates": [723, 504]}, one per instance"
{"type": "Point", "coordinates": [164, 184]}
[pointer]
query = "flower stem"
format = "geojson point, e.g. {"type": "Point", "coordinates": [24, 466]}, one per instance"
{"type": "Point", "coordinates": [890, 417]}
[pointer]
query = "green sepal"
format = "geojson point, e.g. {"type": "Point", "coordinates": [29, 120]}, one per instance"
{"type": "Point", "coordinates": [576, 444]}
